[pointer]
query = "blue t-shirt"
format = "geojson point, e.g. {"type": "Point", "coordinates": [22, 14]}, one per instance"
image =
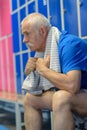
{"type": "Point", "coordinates": [73, 55]}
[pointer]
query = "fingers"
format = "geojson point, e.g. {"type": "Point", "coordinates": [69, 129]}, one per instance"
{"type": "Point", "coordinates": [38, 63]}
{"type": "Point", "coordinates": [30, 66]}
{"type": "Point", "coordinates": [43, 62]}
{"type": "Point", "coordinates": [47, 59]}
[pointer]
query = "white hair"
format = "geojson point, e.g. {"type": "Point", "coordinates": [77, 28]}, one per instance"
{"type": "Point", "coordinates": [38, 20]}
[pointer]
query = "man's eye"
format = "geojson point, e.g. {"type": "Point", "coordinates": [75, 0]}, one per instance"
{"type": "Point", "coordinates": [27, 33]}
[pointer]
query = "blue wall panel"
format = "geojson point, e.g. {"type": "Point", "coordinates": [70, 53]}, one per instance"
{"type": "Point", "coordinates": [55, 13]}
{"type": "Point", "coordinates": [22, 13]}
{"type": "Point", "coordinates": [22, 2]}
{"type": "Point", "coordinates": [25, 58]}
{"type": "Point", "coordinates": [42, 7]}
{"type": "Point", "coordinates": [18, 74]}
{"type": "Point", "coordinates": [83, 11]}
{"type": "Point", "coordinates": [31, 7]}
{"type": "Point", "coordinates": [70, 16]}
{"type": "Point", "coordinates": [32, 54]}
{"type": "Point", "coordinates": [15, 32]}
{"type": "Point", "coordinates": [14, 5]}
{"type": "Point", "coordinates": [24, 47]}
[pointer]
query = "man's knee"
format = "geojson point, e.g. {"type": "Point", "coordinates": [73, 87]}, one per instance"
{"type": "Point", "coordinates": [61, 99]}
{"type": "Point", "coordinates": [27, 100]}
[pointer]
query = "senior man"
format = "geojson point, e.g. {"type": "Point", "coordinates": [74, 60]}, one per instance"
{"type": "Point", "coordinates": [71, 80]}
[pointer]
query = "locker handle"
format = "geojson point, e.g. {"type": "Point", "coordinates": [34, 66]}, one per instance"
{"type": "Point", "coordinates": [80, 3]}
{"type": "Point", "coordinates": [64, 10]}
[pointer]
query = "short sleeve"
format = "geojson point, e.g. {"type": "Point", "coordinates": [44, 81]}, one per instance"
{"type": "Point", "coordinates": [73, 54]}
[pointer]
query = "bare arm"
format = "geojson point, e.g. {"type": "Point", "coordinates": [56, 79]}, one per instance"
{"type": "Point", "coordinates": [69, 82]}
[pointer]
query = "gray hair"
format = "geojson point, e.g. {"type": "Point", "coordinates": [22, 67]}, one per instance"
{"type": "Point", "coordinates": [38, 20]}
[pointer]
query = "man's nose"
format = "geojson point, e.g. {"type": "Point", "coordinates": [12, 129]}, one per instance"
{"type": "Point", "coordinates": [25, 40]}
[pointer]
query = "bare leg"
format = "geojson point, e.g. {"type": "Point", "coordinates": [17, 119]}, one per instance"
{"type": "Point", "coordinates": [32, 106]}
{"type": "Point", "coordinates": [63, 118]}
{"type": "Point", "coordinates": [32, 119]}
{"type": "Point", "coordinates": [64, 104]}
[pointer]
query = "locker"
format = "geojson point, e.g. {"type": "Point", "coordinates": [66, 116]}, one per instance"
{"type": "Point", "coordinates": [70, 16]}
{"type": "Point", "coordinates": [14, 4]}
{"type": "Point", "coordinates": [10, 63]}
{"type": "Point", "coordinates": [18, 73]}
{"type": "Point", "coordinates": [22, 15]}
{"type": "Point", "coordinates": [22, 2]}
{"type": "Point", "coordinates": [42, 7]}
{"type": "Point", "coordinates": [23, 44]}
{"type": "Point", "coordinates": [32, 54]}
{"type": "Point", "coordinates": [31, 7]}
{"type": "Point", "coordinates": [83, 14]}
{"type": "Point", "coordinates": [55, 14]}
{"type": "Point", "coordinates": [15, 31]}
{"type": "Point", "coordinates": [1, 66]}
{"type": "Point", "coordinates": [25, 58]}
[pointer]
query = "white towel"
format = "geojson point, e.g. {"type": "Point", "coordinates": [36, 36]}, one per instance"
{"type": "Point", "coordinates": [35, 83]}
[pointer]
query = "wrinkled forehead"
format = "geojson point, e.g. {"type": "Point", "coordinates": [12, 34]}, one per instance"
{"type": "Point", "coordinates": [26, 26]}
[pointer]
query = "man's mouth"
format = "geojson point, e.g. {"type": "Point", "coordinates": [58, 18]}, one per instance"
{"type": "Point", "coordinates": [29, 45]}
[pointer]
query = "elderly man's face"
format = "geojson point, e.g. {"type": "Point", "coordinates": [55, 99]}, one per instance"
{"type": "Point", "coordinates": [33, 37]}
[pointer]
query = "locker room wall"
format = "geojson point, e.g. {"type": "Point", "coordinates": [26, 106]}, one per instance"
{"type": "Point", "coordinates": [64, 14]}
{"type": "Point", "coordinates": [6, 53]}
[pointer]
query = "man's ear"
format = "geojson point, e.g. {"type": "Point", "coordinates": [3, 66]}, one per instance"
{"type": "Point", "coordinates": [43, 30]}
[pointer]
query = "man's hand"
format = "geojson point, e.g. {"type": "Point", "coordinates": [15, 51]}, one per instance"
{"type": "Point", "coordinates": [30, 66]}
{"type": "Point", "coordinates": [41, 64]}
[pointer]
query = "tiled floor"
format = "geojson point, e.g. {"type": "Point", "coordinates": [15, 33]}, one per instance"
{"type": "Point", "coordinates": [8, 120]}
